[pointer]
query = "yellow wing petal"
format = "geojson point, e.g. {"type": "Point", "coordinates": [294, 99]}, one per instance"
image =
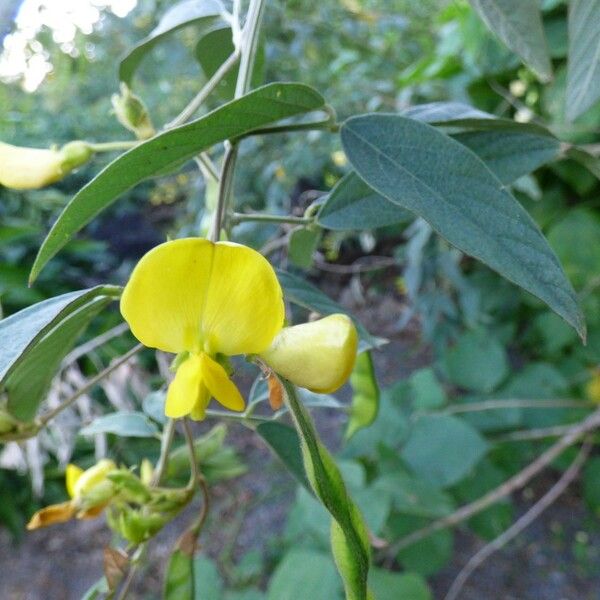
{"type": "Point", "coordinates": [221, 388]}
{"type": "Point", "coordinates": [162, 302]}
{"type": "Point", "coordinates": [318, 356]}
{"type": "Point", "coordinates": [185, 388]}
{"type": "Point", "coordinates": [72, 474]}
{"type": "Point", "coordinates": [244, 305]}
{"type": "Point", "coordinates": [92, 477]}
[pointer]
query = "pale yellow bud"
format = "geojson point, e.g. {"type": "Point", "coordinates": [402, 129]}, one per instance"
{"type": "Point", "coordinates": [318, 356]}
{"type": "Point", "coordinates": [93, 477]}
{"type": "Point", "coordinates": [32, 168]}
{"type": "Point", "coordinates": [132, 113]}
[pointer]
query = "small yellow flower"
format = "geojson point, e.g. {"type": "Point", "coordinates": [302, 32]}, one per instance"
{"type": "Point", "coordinates": [203, 301]}
{"type": "Point", "coordinates": [90, 492]}
{"type": "Point", "coordinates": [318, 356]}
{"type": "Point", "coordinates": [32, 168]}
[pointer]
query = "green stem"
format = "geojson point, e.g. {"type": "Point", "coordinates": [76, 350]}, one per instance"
{"type": "Point", "coordinates": [248, 51]}
{"type": "Point", "coordinates": [112, 146]}
{"type": "Point", "coordinates": [206, 90]}
{"type": "Point", "coordinates": [236, 218]}
{"type": "Point", "coordinates": [165, 446]}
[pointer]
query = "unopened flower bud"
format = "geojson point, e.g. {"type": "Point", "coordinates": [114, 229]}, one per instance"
{"type": "Point", "coordinates": [318, 356]}
{"type": "Point", "coordinates": [132, 113]}
{"type": "Point", "coordinates": [32, 168]}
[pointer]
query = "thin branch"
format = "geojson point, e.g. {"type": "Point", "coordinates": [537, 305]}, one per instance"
{"type": "Point", "coordinates": [205, 164]}
{"type": "Point", "coordinates": [225, 188]}
{"type": "Point", "coordinates": [517, 481]}
{"type": "Point", "coordinates": [520, 524]}
{"type": "Point", "coordinates": [533, 434]}
{"type": "Point", "coordinates": [236, 218]}
{"type": "Point", "coordinates": [98, 341]}
{"type": "Point", "coordinates": [113, 146]}
{"type": "Point", "coordinates": [206, 90]}
{"type": "Point", "coordinates": [513, 403]}
{"type": "Point", "coordinates": [189, 440]}
{"type": "Point", "coordinates": [44, 419]}
{"type": "Point", "coordinates": [377, 263]}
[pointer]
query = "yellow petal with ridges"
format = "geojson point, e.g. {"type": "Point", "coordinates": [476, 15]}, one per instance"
{"type": "Point", "coordinates": [244, 305]}
{"type": "Point", "coordinates": [221, 388]}
{"type": "Point", "coordinates": [72, 474]}
{"type": "Point", "coordinates": [49, 515]}
{"type": "Point", "coordinates": [318, 356]}
{"type": "Point", "coordinates": [184, 390]}
{"type": "Point", "coordinates": [163, 298]}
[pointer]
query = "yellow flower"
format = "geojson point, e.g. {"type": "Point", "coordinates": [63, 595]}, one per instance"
{"type": "Point", "coordinates": [90, 492]}
{"type": "Point", "coordinates": [32, 168]}
{"type": "Point", "coordinates": [204, 301]}
{"type": "Point", "coordinates": [318, 356]}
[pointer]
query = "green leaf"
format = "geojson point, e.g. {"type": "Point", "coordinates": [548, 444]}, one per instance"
{"type": "Point", "coordinates": [365, 395]}
{"type": "Point", "coordinates": [591, 485]}
{"type": "Point", "coordinates": [349, 540]}
{"type": "Point", "coordinates": [518, 24]}
{"type": "Point", "coordinates": [304, 241]}
{"type": "Point", "coordinates": [214, 48]}
{"type": "Point", "coordinates": [476, 362]}
{"type": "Point", "coordinates": [413, 496]}
{"type": "Point", "coordinates": [167, 150]}
{"type": "Point", "coordinates": [154, 406]}
{"type": "Point", "coordinates": [40, 337]}
{"type": "Point", "coordinates": [436, 177]}
{"type": "Point", "coordinates": [583, 64]}
{"type": "Point", "coordinates": [178, 16]}
{"type": "Point", "coordinates": [510, 154]}
{"type": "Point", "coordinates": [207, 581]}
{"type": "Point", "coordinates": [285, 443]}
{"type": "Point", "coordinates": [389, 585]}
{"type": "Point", "coordinates": [304, 575]}
{"type": "Point", "coordinates": [352, 204]}
{"type": "Point", "coordinates": [122, 423]}
{"type": "Point", "coordinates": [443, 449]}
{"type": "Point", "coordinates": [427, 556]}
{"type": "Point", "coordinates": [585, 159]}
{"type": "Point", "coordinates": [179, 583]}
{"type": "Point", "coordinates": [426, 390]}
{"type": "Point", "coordinates": [308, 296]}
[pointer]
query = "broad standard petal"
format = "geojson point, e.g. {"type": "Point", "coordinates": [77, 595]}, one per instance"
{"type": "Point", "coordinates": [162, 301]}
{"type": "Point", "coordinates": [318, 356]}
{"type": "Point", "coordinates": [244, 304]}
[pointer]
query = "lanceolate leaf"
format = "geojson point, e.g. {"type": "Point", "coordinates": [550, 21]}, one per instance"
{"type": "Point", "coordinates": [122, 423]}
{"type": "Point", "coordinates": [583, 67]}
{"type": "Point", "coordinates": [178, 16]}
{"type": "Point", "coordinates": [260, 107]}
{"type": "Point", "coordinates": [35, 339]}
{"type": "Point", "coordinates": [439, 179]}
{"type": "Point", "coordinates": [352, 204]}
{"type": "Point", "coordinates": [349, 540]}
{"type": "Point", "coordinates": [518, 23]}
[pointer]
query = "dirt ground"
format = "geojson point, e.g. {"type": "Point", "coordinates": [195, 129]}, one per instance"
{"type": "Point", "coordinates": [557, 558]}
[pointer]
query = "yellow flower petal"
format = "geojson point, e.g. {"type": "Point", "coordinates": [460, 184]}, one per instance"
{"type": "Point", "coordinates": [72, 474]}
{"type": "Point", "coordinates": [49, 515]}
{"type": "Point", "coordinates": [244, 306]}
{"type": "Point", "coordinates": [194, 295]}
{"type": "Point", "coordinates": [92, 477]}
{"type": "Point", "coordinates": [221, 388]}
{"type": "Point", "coordinates": [185, 388]}
{"type": "Point", "coordinates": [318, 356]}
{"type": "Point", "coordinates": [162, 301]}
